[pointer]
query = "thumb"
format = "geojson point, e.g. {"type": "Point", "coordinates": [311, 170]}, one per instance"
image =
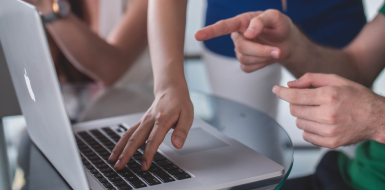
{"type": "Point", "coordinates": [268, 19]}
{"type": "Point", "coordinates": [181, 130]}
{"type": "Point", "coordinates": [316, 80]}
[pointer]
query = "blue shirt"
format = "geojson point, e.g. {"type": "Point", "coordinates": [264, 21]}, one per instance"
{"type": "Point", "coordinates": [331, 23]}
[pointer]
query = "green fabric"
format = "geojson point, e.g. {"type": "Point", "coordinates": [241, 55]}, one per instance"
{"type": "Point", "coordinates": [367, 170]}
{"type": "Point", "coordinates": [382, 10]}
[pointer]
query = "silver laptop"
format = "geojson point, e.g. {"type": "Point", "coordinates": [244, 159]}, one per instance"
{"type": "Point", "coordinates": [209, 159]}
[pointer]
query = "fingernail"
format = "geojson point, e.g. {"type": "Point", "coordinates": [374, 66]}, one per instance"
{"type": "Point", "coordinates": [274, 53]}
{"type": "Point", "coordinates": [178, 142]}
{"type": "Point", "coordinates": [275, 89]}
{"type": "Point", "coordinates": [117, 164]}
{"type": "Point", "coordinates": [291, 82]}
{"type": "Point", "coordinates": [111, 156]}
{"type": "Point", "coordinates": [144, 165]}
{"type": "Point", "coordinates": [251, 31]}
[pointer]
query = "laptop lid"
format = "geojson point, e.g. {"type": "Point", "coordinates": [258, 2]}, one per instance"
{"type": "Point", "coordinates": [32, 70]}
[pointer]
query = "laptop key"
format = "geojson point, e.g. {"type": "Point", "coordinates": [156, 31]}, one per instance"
{"type": "Point", "coordinates": [163, 163]}
{"type": "Point", "coordinates": [177, 171]}
{"type": "Point", "coordinates": [103, 180]}
{"type": "Point", "coordinates": [133, 165]}
{"type": "Point", "coordinates": [138, 157]}
{"type": "Point", "coordinates": [105, 170]}
{"type": "Point", "coordinates": [124, 187]}
{"type": "Point", "coordinates": [120, 183]}
{"type": "Point", "coordinates": [104, 153]}
{"type": "Point", "coordinates": [182, 176]}
{"type": "Point", "coordinates": [93, 157]}
{"type": "Point", "coordinates": [138, 184]}
{"type": "Point", "coordinates": [143, 174]}
{"type": "Point", "coordinates": [101, 165]}
{"type": "Point", "coordinates": [107, 185]}
{"type": "Point", "coordinates": [89, 166]}
{"type": "Point", "coordinates": [158, 157]}
{"type": "Point", "coordinates": [131, 177]}
{"type": "Point", "coordinates": [170, 167]}
{"type": "Point", "coordinates": [115, 178]}
{"type": "Point", "coordinates": [93, 171]}
{"type": "Point", "coordinates": [110, 174]}
{"type": "Point", "coordinates": [137, 170]}
{"type": "Point", "coordinates": [154, 168]}
{"type": "Point", "coordinates": [164, 176]}
{"type": "Point", "coordinates": [97, 161]}
{"type": "Point", "coordinates": [151, 180]}
{"type": "Point", "coordinates": [99, 176]}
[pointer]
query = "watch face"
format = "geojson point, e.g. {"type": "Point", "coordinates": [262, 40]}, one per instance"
{"type": "Point", "coordinates": [64, 8]}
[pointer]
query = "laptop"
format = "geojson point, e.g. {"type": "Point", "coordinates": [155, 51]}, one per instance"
{"type": "Point", "coordinates": [208, 160]}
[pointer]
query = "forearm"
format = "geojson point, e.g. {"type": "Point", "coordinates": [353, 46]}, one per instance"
{"type": "Point", "coordinates": [306, 56]}
{"type": "Point", "coordinates": [105, 61]}
{"type": "Point", "coordinates": [166, 30]}
{"type": "Point", "coordinates": [86, 50]}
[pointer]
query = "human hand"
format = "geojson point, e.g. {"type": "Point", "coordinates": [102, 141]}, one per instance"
{"type": "Point", "coordinates": [43, 6]}
{"type": "Point", "coordinates": [337, 112]}
{"type": "Point", "coordinates": [172, 108]}
{"type": "Point", "coordinates": [260, 38]}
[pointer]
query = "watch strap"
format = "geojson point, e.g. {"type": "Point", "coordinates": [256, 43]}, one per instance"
{"type": "Point", "coordinates": [50, 17]}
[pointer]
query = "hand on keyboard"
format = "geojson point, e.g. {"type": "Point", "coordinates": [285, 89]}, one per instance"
{"type": "Point", "coordinates": [169, 110]}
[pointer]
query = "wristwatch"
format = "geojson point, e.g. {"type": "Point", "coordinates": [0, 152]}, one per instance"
{"type": "Point", "coordinates": [61, 9]}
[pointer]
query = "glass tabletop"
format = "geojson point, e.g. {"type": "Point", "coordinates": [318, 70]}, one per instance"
{"type": "Point", "coordinates": [89, 102]}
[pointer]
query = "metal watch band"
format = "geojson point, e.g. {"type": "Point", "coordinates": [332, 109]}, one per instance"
{"type": "Point", "coordinates": [50, 17]}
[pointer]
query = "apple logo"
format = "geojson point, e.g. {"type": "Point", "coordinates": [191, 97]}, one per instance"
{"type": "Point", "coordinates": [28, 82]}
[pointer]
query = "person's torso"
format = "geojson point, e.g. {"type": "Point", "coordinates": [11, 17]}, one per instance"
{"type": "Point", "coordinates": [328, 22]}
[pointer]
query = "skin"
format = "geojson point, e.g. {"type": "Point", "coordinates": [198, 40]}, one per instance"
{"type": "Point", "coordinates": [332, 111]}
{"type": "Point", "coordinates": [172, 107]}
{"type": "Point", "coordinates": [103, 60]}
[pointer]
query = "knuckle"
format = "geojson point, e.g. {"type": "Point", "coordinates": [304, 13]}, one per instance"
{"type": "Point", "coordinates": [332, 95]}
{"type": "Point", "coordinates": [234, 36]}
{"type": "Point", "coordinates": [333, 144]}
{"type": "Point", "coordinates": [132, 140]}
{"type": "Point", "coordinates": [240, 46]}
{"type": "Point", "coordinates": [275, 14]}
{"type": "Point", "coordinates": [125, 135]}
{"type": "Point", "coordinates": [293, 97]}
{"type": "Point", "coordinates": [308, 76]}
{"type": "Point", "coordinates": [152, 142]}
{"type": "Point", "coordinates": [331, 131]}
{"type": "Point", "coordinates": [147, 117]}
{"type": "Point", "coordinates": [293, 111]}
{"type": "Point", "coordinates": [299, 124]}
{"type": "Point", "coordinates": [224, 25]}
{"type": "Point", "coordinates": [181, 133]}
{"type": "Point", "coordinates": [331, 118]}
{"type": "Point", "coordinates": [246, 68]}
{"type": "Point", "coordinates": [306, 137]}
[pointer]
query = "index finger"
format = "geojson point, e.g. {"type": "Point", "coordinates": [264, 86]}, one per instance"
{"type": "Point", "coordinates": [239, 23]}
{"type": "Point", "coordinates": [297, 96]}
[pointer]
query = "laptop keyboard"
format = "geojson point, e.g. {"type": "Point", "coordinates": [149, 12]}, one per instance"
{"type": "Point", "coordinates": [96, 147]}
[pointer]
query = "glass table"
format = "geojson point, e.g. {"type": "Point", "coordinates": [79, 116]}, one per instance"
{"type": "Point", "coordinates": [89, 102]}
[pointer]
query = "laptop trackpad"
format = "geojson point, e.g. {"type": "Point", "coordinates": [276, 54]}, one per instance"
{"type": "Point", "coordinates": [197, 140]}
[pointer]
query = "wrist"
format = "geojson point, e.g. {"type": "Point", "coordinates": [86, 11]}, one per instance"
{"type": "Point", "coordinates": [161, 87]}
{"type": "Point", "coordinates": [298, 47]}
{"type": "Point", "coordinates": [378, 121]}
